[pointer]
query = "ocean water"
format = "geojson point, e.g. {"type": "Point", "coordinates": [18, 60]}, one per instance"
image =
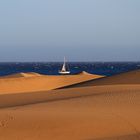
{"type": "Point", "coordinates": [51, 68]}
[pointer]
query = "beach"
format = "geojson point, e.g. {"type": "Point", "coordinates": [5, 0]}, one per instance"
{"type": "Point", "coordinates": [70, 107]}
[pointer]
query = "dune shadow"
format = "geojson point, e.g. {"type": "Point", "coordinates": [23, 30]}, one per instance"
{"type": "Point", "coordinates": [132, 77]}
{"type": "Point", "coordinates": [123, 137]}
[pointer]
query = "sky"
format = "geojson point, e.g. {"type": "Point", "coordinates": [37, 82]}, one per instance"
{"type": "Point", "coordinates": [81, 30]}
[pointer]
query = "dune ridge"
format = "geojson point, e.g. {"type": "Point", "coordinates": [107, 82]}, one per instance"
{"type": "Point", "coordinates": [31, 82]}
{"type": "Point", "coordinates": [132, 77]}
{"type": "Point", "coordinates": [20, 75]}
{"type": "Point", "coordinates": [16, 99]}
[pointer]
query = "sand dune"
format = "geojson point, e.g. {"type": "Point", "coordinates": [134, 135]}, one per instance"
{"type": "Point", "coordinates": [84, 73]}
{"type": "Point", "coordinates": [22, 74]}
{"type": "Point", "coordinates": [30, 82]}
{"type": "Point", "coordinates": [19, 99]}
{"type": "Point", "coordinates": [106, 112]}
{"type": "Point", "coordinates": [132, 77]}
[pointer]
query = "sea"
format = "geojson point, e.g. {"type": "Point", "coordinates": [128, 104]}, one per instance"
{"type": "Point", "coordinates": [52, 68]}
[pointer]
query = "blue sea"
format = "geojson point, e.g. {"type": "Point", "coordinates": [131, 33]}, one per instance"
{"type": "Point", "coordinates": [52, 68]}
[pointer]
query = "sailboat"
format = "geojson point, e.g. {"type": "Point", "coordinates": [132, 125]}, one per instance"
{"type": "Point", "coordinates": [64, 70]}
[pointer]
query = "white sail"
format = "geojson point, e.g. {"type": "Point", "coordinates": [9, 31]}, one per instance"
{"type": "Point", "coordinates": [64, 70]}
{"type": "Point", "coordinates": [64, 65]}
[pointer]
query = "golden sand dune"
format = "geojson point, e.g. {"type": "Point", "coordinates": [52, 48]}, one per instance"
{"type": "Point", "coordinates": [89, 113]}
{"type": "Point", "coordinates": [22, 74]}
{"type": "Point", "coordinates": [29, 82]}
{"type": "Point", "coordinates": [19, 99]}
{"type": "Point", "coordinates": [84, 73]}
{"type": "Point", "coordinates": [105, 112]}
{"type": "Point", "coordinates": [132, 77]}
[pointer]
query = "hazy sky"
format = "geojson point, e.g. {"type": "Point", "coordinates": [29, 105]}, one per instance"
{"type": "Point", "coordinates": [82, 30]}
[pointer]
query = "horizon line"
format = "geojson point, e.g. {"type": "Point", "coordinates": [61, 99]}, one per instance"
{"type": "Point", "coordinates": [69, 61]}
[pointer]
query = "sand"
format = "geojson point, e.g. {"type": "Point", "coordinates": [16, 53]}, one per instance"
{"type": "Point", "coordinates": [90, 112]}
{"type": "Point", "coordinates": [129, 78]}
{"type": "Point", "coordinates": [32, 82]}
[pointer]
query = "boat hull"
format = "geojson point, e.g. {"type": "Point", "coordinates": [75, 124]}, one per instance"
{"type": "Point", "coordinates": [64, 72]}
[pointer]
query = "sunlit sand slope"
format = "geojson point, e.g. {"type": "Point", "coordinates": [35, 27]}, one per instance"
{"type": "Point", "coordinates": [19, 75]}
{"type": "Point", "coordinates": [30, 82]}
{"type": "Point", "coordinates": [19, 99]}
